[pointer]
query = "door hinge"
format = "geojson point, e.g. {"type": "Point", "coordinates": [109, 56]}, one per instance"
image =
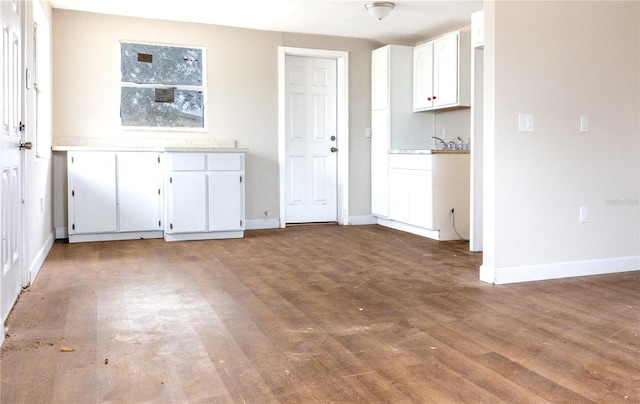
{"type": "Point", "coordinates": [73, 160]}
{"type": "Point", "coordinates": [171, 226]}
{"type": "Point", "coordinates": [158, 191]}
{"type": "Point", "coordinates": [241, 179]}
{"type": "Point", "coordinates": [159, 223]}
{"type": "Point", "coordinates": [21, 126]}
{"type": "Point", "coordinates": [241, 223]}
{"type": "Point", "coordinates": [73, 193]}
{"type": "Point", "coordinates": [158, 159]}
{"type": "Point", "coordinates": [73, 226]}
{"type": "Point", "coordinates": [170, 180]}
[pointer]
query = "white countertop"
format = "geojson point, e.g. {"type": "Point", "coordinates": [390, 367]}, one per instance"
{"type": "Point", "coordinates": [428, 151]}
{"type": "Point", "coordinates": [147, 144]}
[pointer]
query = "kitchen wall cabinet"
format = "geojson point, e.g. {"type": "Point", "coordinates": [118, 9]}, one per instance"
{"type": "Point", "coordinates": [114, 195]}
{"type": "Point", "coordinates": [204, 196]}
{"type": "Point", "coordinates": [393, 124]}
{"type": "Point", "coordinates": [442, 73]}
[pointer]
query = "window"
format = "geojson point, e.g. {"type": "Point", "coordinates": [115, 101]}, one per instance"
{"type": "Point", "coordinates": [161, 86]}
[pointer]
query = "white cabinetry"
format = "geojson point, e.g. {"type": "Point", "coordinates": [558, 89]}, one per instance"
{"type": "Point", "coordinates": [442, 73]}
{"type": "Point", "coordinates": [411, 190]}
{"type": "Point", "coordinates": [114, 195]}
{"type": "Point", "coordinates": [393, 124]}
{"type": "Point", "coordinates": [423, 189]}
{"type": "Point", "coordinates": [205, 196]}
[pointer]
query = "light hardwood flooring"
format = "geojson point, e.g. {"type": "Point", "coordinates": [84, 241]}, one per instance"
{"type": "Point", "coordinates": [314, 314]}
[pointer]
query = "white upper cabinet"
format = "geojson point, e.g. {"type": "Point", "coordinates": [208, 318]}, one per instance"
{"type": "Point", "coordinates": [442, 73]}
{"type": "Point", "coordinates": [477, 29]}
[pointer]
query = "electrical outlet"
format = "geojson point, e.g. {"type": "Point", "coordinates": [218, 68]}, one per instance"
{"type": "Point", "coordinates": [584, 214]}
{"type": "Point", "coordinates": [584, 124]}
{"type": "Point", "coordinates": [367, 133]}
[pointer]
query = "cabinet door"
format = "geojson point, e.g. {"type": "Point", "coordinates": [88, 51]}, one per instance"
{"type": "Point", "coordinates": [421, 199]}
{"type": "Point", "coordinates": [379, 163]}
{"type": "Point", "coordinates": [399, 190]}
{"type": "Point", "coordinates": [226, 201]}
{"type": "Point", "coordinates": [380, 78]}
{"type": "Point", "coordinates": [423, 90]}
{"type": "Point", "coordinates": [92, 192]}
{"type": "Point", "coordinates": [187, 202]}
{"type": "Point", "coordinates": [139, 191]}
{"type": "Point", "coordinates": [445, 71]}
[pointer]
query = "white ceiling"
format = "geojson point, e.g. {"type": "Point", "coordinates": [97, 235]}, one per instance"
{"type": "Point", "coordinates": [409, 23]}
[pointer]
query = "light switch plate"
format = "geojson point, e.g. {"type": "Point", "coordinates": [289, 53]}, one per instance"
{"type": "Point", "coordinates": [584, 124]}
{"type": "Point", "coordinates": [367, 133]}
{"type": "Point", "coordinates": [525, 123]}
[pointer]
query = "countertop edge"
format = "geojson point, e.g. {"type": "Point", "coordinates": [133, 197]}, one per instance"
{"type": "Point", "coordinates": [428, 151]}
{"type": "Point", "coordinates": [194, 149]}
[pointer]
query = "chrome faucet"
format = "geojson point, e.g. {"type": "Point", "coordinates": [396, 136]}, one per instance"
{"type": "Point", "coordinates": [444, 144]}
{"type": "Point", "coordinates": [460, 142]}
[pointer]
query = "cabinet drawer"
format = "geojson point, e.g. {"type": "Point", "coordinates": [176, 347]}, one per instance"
{"type": "Point", "coordinates": [411, 161]}
{"type": "Point", "coordinates": [188, 161]}
{"type": "Point", "coordinates": [224, 162]}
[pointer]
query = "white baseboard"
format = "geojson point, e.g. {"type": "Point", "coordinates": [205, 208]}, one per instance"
{"type": "Point", "coordinates": [38, 261]}
{"type": "Point", "coordinates": [432, 234]}
{"type": "Point", "coordinates": [365, 219]}
{"type": "Point", "coordinates": [558, 270]}
{"type": "Point", "coordinates": [62, 233]}
{"type": "Point", "coordinates": [257, 224]}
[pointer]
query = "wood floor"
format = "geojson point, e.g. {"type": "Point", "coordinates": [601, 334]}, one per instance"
{"type": "Point", "coordinates": [314, 314]}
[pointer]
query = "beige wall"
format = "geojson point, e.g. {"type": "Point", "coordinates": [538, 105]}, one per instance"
{"type": "Point", "coordinates": [242, 93]}
{"type": "Point", "coordinates": [558, 61]}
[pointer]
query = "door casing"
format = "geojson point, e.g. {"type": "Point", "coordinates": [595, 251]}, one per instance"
{"type": "Point", "coordinates": [342, 123]}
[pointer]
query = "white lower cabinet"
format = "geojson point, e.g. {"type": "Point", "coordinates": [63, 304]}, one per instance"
{"type": "Point", "coordinates": [204, 196]}
{"type": "Point", "coordinates": [114, 195]}
{"type": "Point", "coordinates": [121, 195]}
{"type": "Point", "coordinates": [423, 189]}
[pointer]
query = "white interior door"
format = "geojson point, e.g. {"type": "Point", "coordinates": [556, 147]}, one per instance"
{"type": "Point", "coordinates": [310, 140]}
{"type": "Point", "coordinates": [10, 158]}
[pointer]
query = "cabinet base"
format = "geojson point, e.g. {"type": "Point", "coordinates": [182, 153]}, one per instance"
{"type": "Point", "coordinates": [420, 231]}
{"type": "Point", "coordinates": [80, 238]}
{"type": "Point", "coordinates": [204, 236]}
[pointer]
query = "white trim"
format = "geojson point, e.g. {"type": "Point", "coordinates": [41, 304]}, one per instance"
{"type": "Point", "coordinates": [342, 60]}
{"type": "Point", "coordinates": [363, 219]}
{"type": "Point", "coordinates": [36, 265]}
{"type": "Point", "coordinates": [558, 270]}
{"type": "Point", "coordinates": [258, 224]}
{"type": "Point", "coordinates": [62, 232]}
{"type": "Point", "coordinates": [135, 235]}
{"type": "Point", "coordinates": [420, 231]}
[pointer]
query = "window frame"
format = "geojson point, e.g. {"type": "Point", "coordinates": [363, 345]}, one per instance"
{"type": "Point", "coordinates": [202, 89]}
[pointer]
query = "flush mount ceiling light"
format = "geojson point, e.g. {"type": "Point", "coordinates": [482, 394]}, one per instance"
{"type": "Point", "coordinates": [380, 9]}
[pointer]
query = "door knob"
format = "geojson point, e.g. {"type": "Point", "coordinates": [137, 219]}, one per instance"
{"type": "Point", "coordinates": [26, 146]}
{"type": "Point", "coordinates": [334, 149]}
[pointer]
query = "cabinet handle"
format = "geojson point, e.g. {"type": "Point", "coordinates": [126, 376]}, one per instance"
{"type": "Point", "coordinates": [434, 97]}
{"type": "Point", "coordinates": [428, 98]}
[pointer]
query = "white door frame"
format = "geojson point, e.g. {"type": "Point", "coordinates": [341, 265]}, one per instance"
{"type": "Point", "coordinates": [342, 123]}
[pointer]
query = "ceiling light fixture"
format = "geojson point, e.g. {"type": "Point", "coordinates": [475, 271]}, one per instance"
{"type": "Point", "coordinates": [380, 9]}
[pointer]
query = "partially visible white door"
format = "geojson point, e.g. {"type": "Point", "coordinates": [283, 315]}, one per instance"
{"type": "Point", "coordinates": [10, 159]}
{"type": "Point", "coordinates": [310, 140]}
